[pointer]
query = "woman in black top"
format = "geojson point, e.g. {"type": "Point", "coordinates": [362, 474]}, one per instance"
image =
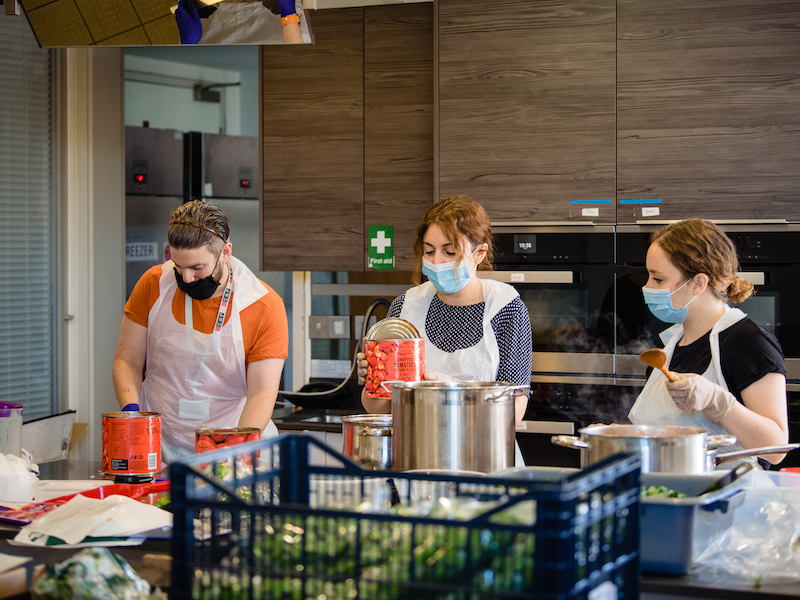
{"type": "Point", "coordinates": [732, 377]}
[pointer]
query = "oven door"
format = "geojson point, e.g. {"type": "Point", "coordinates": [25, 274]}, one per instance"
{"type": "Point", "coordinates": [571, 309]}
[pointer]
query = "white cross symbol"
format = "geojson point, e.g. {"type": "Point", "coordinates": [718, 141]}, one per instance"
{"type": "Point", "coordinates": [381, 242]}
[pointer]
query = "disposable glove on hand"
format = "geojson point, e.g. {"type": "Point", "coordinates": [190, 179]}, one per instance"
{"type": "Point", "coordinates": [694, 393]}
{"type": "Point", "coordinates": [132, 407]}
{"type": "Point", "coordinates": [361, 367]}
{"type": "Point", "coordinates": [189, 24]}
{"type": "Point", "coordinates": [286, 7]}
{"type": "Point", "coordinates": [435, 376]}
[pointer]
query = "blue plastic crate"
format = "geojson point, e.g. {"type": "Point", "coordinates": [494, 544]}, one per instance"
{"type": "Point", "coordinates": [258, 521]}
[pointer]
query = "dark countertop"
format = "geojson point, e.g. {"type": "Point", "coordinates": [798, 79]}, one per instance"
{"type": "Point", "coordinates": [293, 418]}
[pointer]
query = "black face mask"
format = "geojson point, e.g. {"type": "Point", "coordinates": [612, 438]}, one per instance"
{"type": "Point", "coordinates": [202, 289]}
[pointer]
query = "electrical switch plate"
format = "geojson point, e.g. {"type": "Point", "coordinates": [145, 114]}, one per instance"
{"type": "Point", "coordinates": [339, 327]}
{"type": "Point", "coordinates": [358, 322]}
{"type": "Point", "coordinates": [318, 327]}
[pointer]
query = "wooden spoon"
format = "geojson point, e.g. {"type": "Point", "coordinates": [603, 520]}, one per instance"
{"type": "Point", "coordinates": [657, 358]}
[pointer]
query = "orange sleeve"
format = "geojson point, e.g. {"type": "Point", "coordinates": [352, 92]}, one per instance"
{"type": "Point", "coordinates": [265, 328]}
{"type": "Point", "coordinates": [143, 296]}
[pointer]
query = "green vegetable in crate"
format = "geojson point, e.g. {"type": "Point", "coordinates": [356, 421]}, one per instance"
{"type": "Point", "coordinates": [661, 492]}
{"type": "Point", "coordinates": [93, 574]}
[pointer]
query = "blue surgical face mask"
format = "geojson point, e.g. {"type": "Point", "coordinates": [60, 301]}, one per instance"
{"type": "Point", "coordinates": [445, 277]}
{"type": "Point", "coordinates": [660, 304]}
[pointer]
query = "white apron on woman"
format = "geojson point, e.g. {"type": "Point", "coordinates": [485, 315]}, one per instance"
{"type": "Point", "coordinates": [196, 380]}
{"type": "Point", "coordinates": [655, 406]}
{"type": "Point", "coordinates": [478, 363]}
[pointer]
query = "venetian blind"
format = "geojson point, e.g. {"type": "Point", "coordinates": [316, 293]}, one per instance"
{"type": "Point", "coordinates": [28, 373]}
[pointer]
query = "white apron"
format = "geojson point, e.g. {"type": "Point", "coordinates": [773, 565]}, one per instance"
{"type": "Point", "coordinates": [478, 363]}
{"type": "Point", "coordinates": [196, 380]}
{"type": "Point", "coordinates": [655, 406]}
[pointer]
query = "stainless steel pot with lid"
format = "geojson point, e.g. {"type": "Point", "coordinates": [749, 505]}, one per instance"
{"type": "Point", "coordinates": [459, 425]}
{"type": "Point", "coordinates": [368, 439]}
{"type": "Point", "coordinates": [666, 449]}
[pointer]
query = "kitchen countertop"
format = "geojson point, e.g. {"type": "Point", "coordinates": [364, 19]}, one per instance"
{"type": "Point", "coordinates": [155, 552]}
{"type": "Point", "coordinates": [294, 418]}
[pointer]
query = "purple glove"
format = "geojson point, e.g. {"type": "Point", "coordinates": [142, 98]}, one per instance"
{"type": "Point", "coordinates": [189, 24]}
{"type": "Point", "coordinates": [286, 7]}
{"type": "Point", "coordinates": [133, 407]}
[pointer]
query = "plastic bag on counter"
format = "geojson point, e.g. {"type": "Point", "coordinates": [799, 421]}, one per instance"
{"type": "Point", "coordinates": [762, 545]}
{"type": "Point", "coordinates": [93, 574]}
{"type": "Point", "coordinates": [17, 477]}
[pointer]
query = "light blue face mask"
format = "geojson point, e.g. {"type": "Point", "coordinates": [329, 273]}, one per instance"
{"type": "Point", "coordinates": [446, 278]}
{"type": "Point", "coordinates": [660, 304]}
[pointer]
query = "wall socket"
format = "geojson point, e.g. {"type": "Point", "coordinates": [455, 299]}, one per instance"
{"type": "Point", "coordinates": [358, 321]}
{"type": "Point", "coordinates": [328, 327]}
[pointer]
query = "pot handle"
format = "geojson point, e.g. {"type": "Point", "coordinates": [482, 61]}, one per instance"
{"type": "Point", "coordinates": [569, 441]}
{"type": "Point", "coordinates": [726, 456]}
{"type": "Point", "coordinates": [383, 385]}
{"type": "Point", "coordinates": [375, 432]}
{"type": "Point", "coordinates": [715, 441]}
{"type": "Point", "coordinates": [506, 389]}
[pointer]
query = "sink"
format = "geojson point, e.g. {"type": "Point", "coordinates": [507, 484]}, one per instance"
{"type": "Point", "coordinates": [321, 419]}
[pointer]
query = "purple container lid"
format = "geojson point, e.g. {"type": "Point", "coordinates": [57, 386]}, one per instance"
{"type": "Point", "coordinates": [7, 407]}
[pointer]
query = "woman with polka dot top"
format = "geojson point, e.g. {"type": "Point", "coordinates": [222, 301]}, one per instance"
{"type": "Point", "coordinates": [474, 329]}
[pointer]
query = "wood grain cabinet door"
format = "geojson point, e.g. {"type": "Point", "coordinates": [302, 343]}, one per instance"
{"type": "Point", "coordinates": [398, 121]}
{"type": "Point", "coordinates": [526, 107]}
{"type": "Point", "coordinates": [312, 129]}
{"type": "Point", "coordinates": [708, 109]}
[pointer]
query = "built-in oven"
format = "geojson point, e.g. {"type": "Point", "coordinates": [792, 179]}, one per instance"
{"type": "Point", "coordinates": [769, 256]}
{"type": "Point", "coordinates": [565, 277]}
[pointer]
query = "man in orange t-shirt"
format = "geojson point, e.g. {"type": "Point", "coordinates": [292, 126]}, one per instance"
{"type": "Point", "coordinates": [213, 337]}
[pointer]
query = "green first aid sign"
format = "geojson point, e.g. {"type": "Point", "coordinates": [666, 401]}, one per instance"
{"type": "Point", "coordinates": [381, 247]}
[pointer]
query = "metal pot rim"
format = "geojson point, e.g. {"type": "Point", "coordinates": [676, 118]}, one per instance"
{"type": "Point", "coordinates": [642, 431]}
{"type": "Point", "coordinates": [373, 419]}
{"type": "Point", "coordinates": [457, 385]}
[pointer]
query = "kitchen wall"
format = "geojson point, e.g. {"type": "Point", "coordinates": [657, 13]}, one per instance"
{"type": "Point", "coordinates": [159, 88]}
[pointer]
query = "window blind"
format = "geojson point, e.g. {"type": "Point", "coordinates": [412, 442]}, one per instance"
{"type": "Point", "coordinates": [28, 294]}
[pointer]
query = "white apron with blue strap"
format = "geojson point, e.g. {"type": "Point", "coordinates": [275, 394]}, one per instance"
{"type": "Point", "coordinates": [477, 363]}
{"type": "Point", "coordinates": [655, 406]}
{"type": "Point", "coordinates": [197, 380]}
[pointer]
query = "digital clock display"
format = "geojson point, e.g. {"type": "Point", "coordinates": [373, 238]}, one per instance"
{"type": "Point", "coordinates": [525, 243]}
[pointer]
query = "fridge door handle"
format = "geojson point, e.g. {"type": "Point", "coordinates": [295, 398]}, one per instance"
{"type": "Point", "coordinates": [529, 276]}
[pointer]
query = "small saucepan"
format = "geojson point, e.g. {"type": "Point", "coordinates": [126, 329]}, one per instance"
{"type": "Point", "coordinates": [664, 449]}
{"type": "Point", "coordinates": [368, 439]}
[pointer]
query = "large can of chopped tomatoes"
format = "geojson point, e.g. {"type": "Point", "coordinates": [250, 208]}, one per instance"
{"type": "Point", "coordinates": [392, 360]}
{"type": "Point", "coordinates": [131, 444]}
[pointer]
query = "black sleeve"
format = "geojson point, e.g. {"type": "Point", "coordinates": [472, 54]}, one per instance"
{"type": "Point", "coordinates": [748, 352]}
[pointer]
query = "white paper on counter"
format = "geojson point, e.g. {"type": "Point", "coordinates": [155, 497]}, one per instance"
{"type": "Point", "coordinates": [116, 516]}
{"type": "Point", "coordinates": [9, 561]}
{"type": "Point", "coordinates": [47, 489]}
{"type": "Point", "coordinates": [31, 538]}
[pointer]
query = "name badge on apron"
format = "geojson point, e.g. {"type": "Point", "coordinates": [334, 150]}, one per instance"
{"type": "Point", "coordinates": [194, 410]}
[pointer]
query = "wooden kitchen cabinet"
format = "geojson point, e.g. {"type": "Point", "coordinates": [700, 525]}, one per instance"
{"type": "Point", "coordinates": [526, 107]}
{"type": "Point", "coordinates": [347, 132]}
{"type": "Point", "coordinates": [312, 154]}
{"type": "Point", "coordinates": [708, 109]}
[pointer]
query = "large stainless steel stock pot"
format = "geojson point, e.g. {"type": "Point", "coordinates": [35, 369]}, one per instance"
{"type": "Point", "coordinates": [461, 425]}
{"type": "Point", "coordinates": [368, 439]}
{"type": "Point", "coordinates": [665, 449]}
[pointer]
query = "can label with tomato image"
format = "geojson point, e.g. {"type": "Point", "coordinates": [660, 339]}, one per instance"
{"type": "Point", "coordinates": [392, 360]}
{"type": "Point", "coordinates": [131, 444]}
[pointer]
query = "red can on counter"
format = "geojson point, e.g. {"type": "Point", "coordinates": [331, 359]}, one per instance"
{"type": "Point", "coordinates": [392, 360]}
{"type": "Point", "coordinates": [212, 438]}
{"type": "Point", "coordinates": [131, 444]}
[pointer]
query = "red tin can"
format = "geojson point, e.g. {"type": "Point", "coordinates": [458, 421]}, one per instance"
{"type": "Point", "coordinates": [131, 444]}
{"type": "Point", "coordinates": [216, 437]}
{"type": "Point", "coordinates": [392, 360]}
